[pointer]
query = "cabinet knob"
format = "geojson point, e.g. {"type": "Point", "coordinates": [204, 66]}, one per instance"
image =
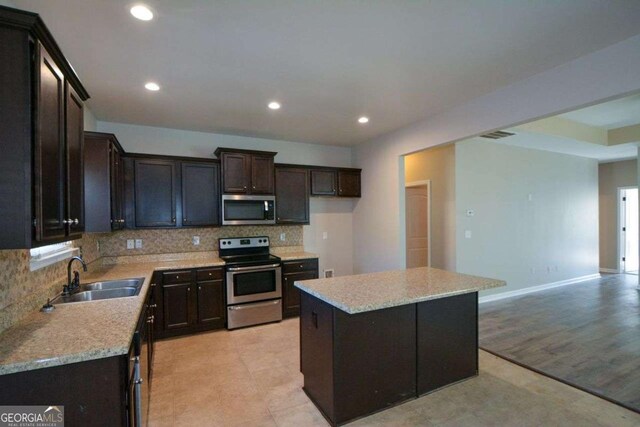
{"type": "Point", "coordinates": [199, 288]}
{"type": "Point", "coordinates": [189, 289]}
{"type": "Point", "coordinates": [244, 188]}
{"type": "Point", "coordinates": [76, 222]}
{"type": "Point", "coordinates": [153, 285]}
{"type": "Point", "coordinates": [64, 221]}
{"type": "Point", "coordinates": [177, 277]}
{"type": "Point", "coordinates": [254, 187]}
{"type": "Point", "coordinates": [210, 274]}
{"type": "Point", "coordinates": [173, 220]}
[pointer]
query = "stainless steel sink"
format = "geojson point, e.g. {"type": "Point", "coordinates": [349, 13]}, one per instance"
{"type": "Point", "coordinates": [113, 284]}
{"type": "Point", "coordinates": [107, 289]}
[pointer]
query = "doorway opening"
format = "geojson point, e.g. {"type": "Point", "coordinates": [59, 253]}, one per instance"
{"type": "Point", "coordinates": [628, 232]}
{"type": "Point", "coordinates": [418, 223]}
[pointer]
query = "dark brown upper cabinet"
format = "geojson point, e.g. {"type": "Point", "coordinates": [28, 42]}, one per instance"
{"type": "Point", "coordinates": [292, 195]}
{"type": "Point", "coordinates": [341, 182]}
{"type": "Point", "coordinates": [200, 194]}
{"type": "Point", "coordinates": [348, 183]}
{"type": "Point", "coordinates": [155, 192]}
{"type": "Point", "coordinates": [246, 171]}
{"type": "Point", "coordinates": [323, 182]}
{"type": "Point", "coordinates": [103, 182]}
{"type": "Point", "coordinates": [167, 191]}
{"type": "Point", "coordinates": [41, 196]}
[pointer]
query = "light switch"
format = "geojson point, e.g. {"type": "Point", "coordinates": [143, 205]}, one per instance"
{"type": "Point", "coordinates": [195, 240]}
{"type": "Point", "coordinates": [283, 236]}
{"type": "Point", "coordinates": [130, 244]}
{"type": "Point", "coordinates": [467, 234]}
{"type": "Point", "coordinates": [138, 243]}
{"type": "Point", "coordinates": [325, 235]}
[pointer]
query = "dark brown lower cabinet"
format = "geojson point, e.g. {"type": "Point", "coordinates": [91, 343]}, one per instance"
{"type": "Point", "coordinates": [96, 392]}
{"type": "Point", "coordinates": [192, 301]}
{"type": "Point", "coordinates": [358, 364]}
{"type": "Point", "coordinates": [293, 271]}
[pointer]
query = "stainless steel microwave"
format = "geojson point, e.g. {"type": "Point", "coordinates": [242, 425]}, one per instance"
{"type": "Point", "coordinates": [248, 210]}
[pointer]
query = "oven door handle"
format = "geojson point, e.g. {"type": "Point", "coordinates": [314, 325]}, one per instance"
{"type": "Point", "coordinates": [254, 305]}
{"type": "Point", "coordinates": [254, 268]}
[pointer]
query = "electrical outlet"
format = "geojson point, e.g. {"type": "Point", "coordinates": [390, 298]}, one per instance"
{"type": "Point", "coordinates": [130, 244]}
{"type": "Point", "coordinates": [328, 273]}
{"type": "Point", "coordinates": [470, 212]}
{"type": "Point", "coordinates": [195, 240]}
{"type": "Point", "coordinates": [283, 236]}
{"type": "Point", "coordinates": [325, 235]}
{"type": "Point", "coordinates": [467, 234]}
{"type": "Point", "coordinates": [138, 243]}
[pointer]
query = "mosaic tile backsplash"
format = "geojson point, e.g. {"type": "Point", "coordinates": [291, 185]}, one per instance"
{"type": "Point", "coordinates": [22, 290]}
{"type": "Point", "coordinates": [179, 240]}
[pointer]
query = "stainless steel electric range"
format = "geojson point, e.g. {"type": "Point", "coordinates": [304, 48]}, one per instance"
{"type": "Point", "coordinates": [254, 281]}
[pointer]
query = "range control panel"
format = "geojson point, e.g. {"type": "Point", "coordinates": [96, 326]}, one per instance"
{"type": "Point", "coordinates": [243, 242]}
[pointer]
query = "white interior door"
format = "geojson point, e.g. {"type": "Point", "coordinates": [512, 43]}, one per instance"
{"type": "Point", "coordinates": [629, 230]}
{"type": "Point", "coordinates": [417, 211]}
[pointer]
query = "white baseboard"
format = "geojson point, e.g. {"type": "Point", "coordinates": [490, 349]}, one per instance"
{"type": "Point", "coordinates": [609, 270]}
{"type": "Point", "coordinates": [537, 288]}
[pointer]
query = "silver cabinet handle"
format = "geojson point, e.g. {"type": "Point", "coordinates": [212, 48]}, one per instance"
{"type": "Point", "coordinates": [64, 221]}
{"type": "Point", "coordinates": [76, 222]}
{"type": "Point", "coordinates": [153, 305]}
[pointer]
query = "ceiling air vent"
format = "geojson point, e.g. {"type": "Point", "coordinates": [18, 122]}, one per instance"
{"type": "Point", "coordinates": [499, 134]}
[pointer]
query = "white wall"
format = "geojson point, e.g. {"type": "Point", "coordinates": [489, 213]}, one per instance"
{"type": "Point", "coordinates": [90, 122]}
{"type": "Point", "coordinates": [552, 237]}
{"type": "Point", "coordinates": [379, 217]}
{"type": "Point", "coordinates": [335, 216]}
{"type": "Point", "coordinates": [176, 142]}
{"type": "Point", "coordinates": [331, 215]}
{"type": "Point", "coordinates": [7, 3]}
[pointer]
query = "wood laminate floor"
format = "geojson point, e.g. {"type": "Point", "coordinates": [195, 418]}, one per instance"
{"type": "Point", "coordinates": [251, 377]}
{"type": "Point", "coordinates": [586, 334]}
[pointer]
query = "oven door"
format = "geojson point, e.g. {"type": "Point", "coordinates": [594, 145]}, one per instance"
{"type": "Point", "coordinates": [248, 210]}
{"type": "Point", "coordinates": [255, 283]}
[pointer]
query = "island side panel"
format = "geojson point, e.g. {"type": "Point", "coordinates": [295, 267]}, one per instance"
{"type": "Point", "coordinates": [375, 360]}
{"type": "Point", "coordinates": [447, 338]}
{"type": "Point", "coordinates": [316, 352]}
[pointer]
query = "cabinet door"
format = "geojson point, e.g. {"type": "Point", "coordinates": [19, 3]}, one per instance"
{"type": "Point", "coordinates": [200, 194]}
{"type": "Point", "coordinates": [261, 174]}
{"type": "Point", "coordinates": [236, 172]}
{"type": "Point", "coordinates": [75, 164]}
{"type": "Point", "coordinates": [292, 196]}
{"type": "Point", "coordinates": [177, 306]}
{"type": "Point", "coordinates": [155, 186]}
{"type": "Point", "coordinates": [116, 188]}
{"type": "Point", "coordinates": [291, 294]}
{"type": "Point", "coordinates": [348, 184]}
{"type": "Point", "coordinates": [50, 158]}
{"type": "Point", "coordinates": [323, 182]}
{"type": "Point", "coordinates": [211, 302]}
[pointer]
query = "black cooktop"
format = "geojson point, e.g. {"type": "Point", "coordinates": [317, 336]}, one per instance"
{"type": "Point", "coordinates": [250, 259]}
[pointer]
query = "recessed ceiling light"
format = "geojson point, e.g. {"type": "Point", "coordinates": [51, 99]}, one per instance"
{"type": "Point", "coordinates": [363, 120]}
{"type": "Point", "coordinates": [142, 12]}
{"type": "Point", "coordinates": [152, 86]}
{"type": "Point", "coordinates": [274, 105]}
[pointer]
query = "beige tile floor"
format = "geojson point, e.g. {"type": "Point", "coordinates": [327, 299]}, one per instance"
{"type": "Point", "coordinates": [251, 377]}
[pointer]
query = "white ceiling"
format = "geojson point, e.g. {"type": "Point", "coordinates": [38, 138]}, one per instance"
{"type": "Point", "coordinates": [573, 147]}
{"type": "Point", "coordinates": [328, 62]}
{"type": "Point", "coordinates": [609, 115]}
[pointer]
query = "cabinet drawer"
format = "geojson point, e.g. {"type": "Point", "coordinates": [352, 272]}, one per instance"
{"type": "Point", "coordinates": [302, 265]}
{"type": "Point", "coordinates": [184, 276]}
{"type": "Point", "coordinates": [209, 274]}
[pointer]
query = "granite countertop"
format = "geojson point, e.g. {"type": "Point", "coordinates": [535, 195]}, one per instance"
{"type": "Point", "coordinates": [292, 256]}
{"type": "Point", "coordinates": [90, 330]}
{"type": "Point", "coordinates": [374, 291]}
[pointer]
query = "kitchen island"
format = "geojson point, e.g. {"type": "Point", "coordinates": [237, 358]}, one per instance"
{"type": "Point", "coordinates": [372, 341]}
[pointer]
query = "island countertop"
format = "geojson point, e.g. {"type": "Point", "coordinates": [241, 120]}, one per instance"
{"type": "Point", "coordinates": [374, 291]}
